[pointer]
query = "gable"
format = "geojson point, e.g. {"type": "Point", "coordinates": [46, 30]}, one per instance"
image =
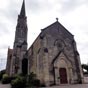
{"type": "Point", "coordinates": [53, 32]}
{"type": "Point", "coordinates": [60, 55]}
{"type": "Point", "coordinates": [57, 30]}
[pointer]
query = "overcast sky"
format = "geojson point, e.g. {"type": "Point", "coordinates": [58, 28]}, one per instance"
{"type": "Point", "coordinates": [72, 14]}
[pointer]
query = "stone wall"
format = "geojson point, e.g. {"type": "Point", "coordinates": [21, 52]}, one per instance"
{"type": "Point", "coordinates": [52, 49]}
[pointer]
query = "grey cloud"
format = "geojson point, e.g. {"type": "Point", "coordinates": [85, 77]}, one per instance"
{"type": "Point", "coordinates": [3, 59]}
{"type": "Point", "coordinates": [82, 46]}
{"type": "Point", "coordinates": [38, 6]}
{"type": "Point", "coordinates": [11, 11]}
{"type": "Point", "coordinates": [9, 16]}
{"type": "Point", "coordinates": [70, 5]}
{"type": "Point", "coordinates": [33, 5]}
{"type": "Point", "coordinates": [3, 29]}
{"type": "Point", "coordinates": [2, 47]}
{"type": "Point", "coordinates": [2, 63]}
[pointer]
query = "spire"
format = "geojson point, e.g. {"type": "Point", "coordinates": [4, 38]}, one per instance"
{"type": "Point", "coordinates": [22, 13]}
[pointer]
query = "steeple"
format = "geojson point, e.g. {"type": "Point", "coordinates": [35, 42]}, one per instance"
{"type": "Point", "coordinates": [23, 13]}
{"type": "Point", "coordinates": [21, 28]}
{"type": "Point", "coordinates": [20, 43]}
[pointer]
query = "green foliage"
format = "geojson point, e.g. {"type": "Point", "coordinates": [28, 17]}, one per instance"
{"type": "Point", "coordinates": [22, 81]}
{"type": "Point", "coordinates": [43, 85]}
{"type": "Point", "coordinates": [32, 81]}
{"type": "Point", "coordinates": [19, 82]}
{"type": "Point", "coordinates": [31, 78]}
{"type": "Point", "coordinates": [1, 74]}
{"type": "Point", "coordinates": [85, 66]}
{"type": "Point", "coordinates": [58, 77]}
{"type": "Point", "coordinates": [6, 79]}
{"type": "Point", "coordinates": [5, 76]}
{"type": "Point", "coordinates": [36, 82]}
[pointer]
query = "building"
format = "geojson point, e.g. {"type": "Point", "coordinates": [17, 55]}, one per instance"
{"type": "Point", "coordinates": [20, 44]}
{"type": "Point", "coordinates": [53, 56]}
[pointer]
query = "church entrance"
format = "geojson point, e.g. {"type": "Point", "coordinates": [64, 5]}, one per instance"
{"type": "Point", "coordinates": [63, 76]}
{"type": "Point", "coordinates": [24, 66]}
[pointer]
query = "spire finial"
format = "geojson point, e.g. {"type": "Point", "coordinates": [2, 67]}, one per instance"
{"type": "Point", "coordinates": [22, 13]}
{"type": "Point", "coordinates": [57, 19]}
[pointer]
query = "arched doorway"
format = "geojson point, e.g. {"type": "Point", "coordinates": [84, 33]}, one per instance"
{"type": "Point", "coordinates": [63, 76]}
{"type": "Point", "coordinates": [24, 66]}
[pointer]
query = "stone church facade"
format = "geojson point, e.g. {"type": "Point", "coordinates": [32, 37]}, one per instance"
{"type": "Point", "coordinates": [53, 56]}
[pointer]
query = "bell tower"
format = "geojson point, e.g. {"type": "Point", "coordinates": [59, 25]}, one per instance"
{"type": "Point", "coordinates": [20, 42]}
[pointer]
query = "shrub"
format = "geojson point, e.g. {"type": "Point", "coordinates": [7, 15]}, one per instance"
{"type": "Point", "coordinates": [36, 82]}
{"type": "Point", "coordinates": [31, 78]}
{"type": "Point", "coordinates": [43, 85]}
{"type": "Point", "coordinates": [6, 79]}
{"type": "Point", "coordinates": [19, 82]}
{"type": "Point", "coordinates": [1, 74]}
{"type": "Point", "coordinates": [32, 81]}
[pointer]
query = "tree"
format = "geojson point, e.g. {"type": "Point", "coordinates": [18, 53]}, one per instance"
{"type": "Point", "coordinates": [85, 67]}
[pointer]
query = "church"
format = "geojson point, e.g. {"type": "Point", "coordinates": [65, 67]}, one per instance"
{"type": "Point", "coordinates": [53, 56]}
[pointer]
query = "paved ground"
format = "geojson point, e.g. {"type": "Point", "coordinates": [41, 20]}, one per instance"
{"type": "Point", "coordinates": [5, 86]}
{"type": "Point", "coordinates": [61, 86]}
{"type": "Point", "coordinates": [71, 86]}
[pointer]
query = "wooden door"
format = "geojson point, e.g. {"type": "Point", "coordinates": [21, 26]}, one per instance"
{"type": "Point", "coordinates": [63, 76]}
{"type": "Point", "coordinates": [24, 66]}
